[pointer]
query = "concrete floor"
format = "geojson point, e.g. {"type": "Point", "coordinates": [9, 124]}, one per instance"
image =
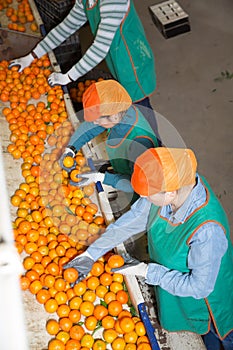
{"type": "Point", "coordinates": [187, 94]}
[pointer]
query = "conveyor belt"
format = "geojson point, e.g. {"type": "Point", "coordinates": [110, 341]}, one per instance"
{"type": "Point", "coordinates": [95, 150]}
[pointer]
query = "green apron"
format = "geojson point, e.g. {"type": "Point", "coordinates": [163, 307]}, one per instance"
{"type": "Point", "coordinates": [169, 246]}
{"type": "Point", "coordinates": [118, 153]}
{"type": "Point", "coordinates": [130, 58]}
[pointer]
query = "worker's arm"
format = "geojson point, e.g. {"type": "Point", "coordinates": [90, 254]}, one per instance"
{"type": "Point", "coordinates": [129, 224]}
{"type": "Point", "coordinates": [118, 181]}
{"type": "Point", "coordinates": [71, 23]}
{"type": "Point", "coordinates": [85, 132]}
{"type": "Point", "coordinates": [74, 20]}
{"type": "Point", "coordinates": [111, 14]}
{"type": "Point", "coordinates": [134, 221]}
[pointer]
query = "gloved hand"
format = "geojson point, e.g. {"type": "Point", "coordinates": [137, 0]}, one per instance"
{"type": "Point", "coordinates": [68, 153]}
{"type": "Point", "coordinates": [22, 62]}
{"type": "Point", "coordinates": [59, 79]}
{"type": "Point", "coordinates": [82, 263]}
{"type": "Point", "coordinates": [90, 177]}
{"type": "Point", "coordinates": [132, 267]}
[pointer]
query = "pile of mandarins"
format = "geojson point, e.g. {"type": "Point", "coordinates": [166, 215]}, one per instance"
{"type": "Point", "coordinates": [56, 222]}
{"type": "Point", "coordinates": [19, 17]}
{"type": "Point", "coordinates": [76, 92]}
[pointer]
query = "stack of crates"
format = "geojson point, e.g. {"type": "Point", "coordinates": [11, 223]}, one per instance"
{"type": "Point", "coordinates": [52, 12]}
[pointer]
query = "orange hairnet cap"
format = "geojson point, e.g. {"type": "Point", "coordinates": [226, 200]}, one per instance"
{"type": "Point", "coordinates": [104, 98]}
{"type": "Point", "coordinates": [163, 170]}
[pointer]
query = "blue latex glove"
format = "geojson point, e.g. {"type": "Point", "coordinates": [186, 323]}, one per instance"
{"type": "Point", "coordinates": [132, 267]}
{"type": "Point", "coordinates": [83, 264]}
{"type": "Point", "coordinates": [67, 153]}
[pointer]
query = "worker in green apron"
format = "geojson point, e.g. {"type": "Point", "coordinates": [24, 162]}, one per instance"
{"type": "Point", "coordinates": [190, 250]}
{"type": "Point", "coordinates": [119, 38]}
{"type": "Point", "coordinates": [108, 106]}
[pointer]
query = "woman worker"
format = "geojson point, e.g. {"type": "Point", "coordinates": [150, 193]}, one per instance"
{"type": "Point", "coordinates": [190, 250]}
{"type": "Point", "coordinates": [119, 38]}
{"type": "Point", "coordinates": [107, 105]}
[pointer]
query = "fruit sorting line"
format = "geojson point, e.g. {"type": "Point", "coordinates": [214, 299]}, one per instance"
{"type": "Point", "coordinates": [35, 315]}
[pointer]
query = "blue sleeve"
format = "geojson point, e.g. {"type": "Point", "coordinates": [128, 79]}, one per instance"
{"type": "Point", "coordinates": [84, 133]}
{"type": "Point", "coordinates": [207, 248]}
{"type": "Point", "coordinates": [118, 181]}
{"type": "Point", "coordinates": [129, 224]}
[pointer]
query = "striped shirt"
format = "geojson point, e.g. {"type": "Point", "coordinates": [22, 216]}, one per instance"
{"type": "Point", "coordinates": [111, 13]}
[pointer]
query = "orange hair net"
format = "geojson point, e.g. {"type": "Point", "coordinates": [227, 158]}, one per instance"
{"type": "Point", "coordinates": [163, 170]}
{"type": "Point", "coordinates": [104, 98]}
